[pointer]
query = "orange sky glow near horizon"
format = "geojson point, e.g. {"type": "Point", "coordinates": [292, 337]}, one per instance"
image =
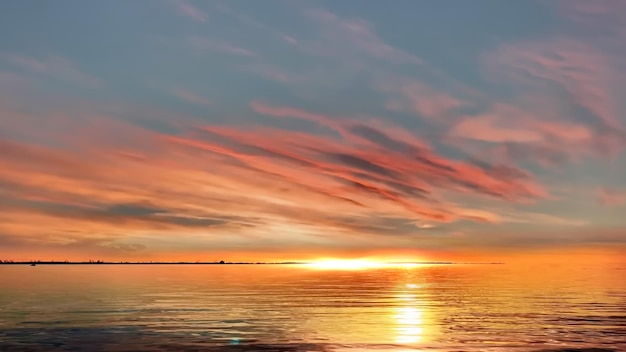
{"type": "Point", "coordinates": [370, 260]}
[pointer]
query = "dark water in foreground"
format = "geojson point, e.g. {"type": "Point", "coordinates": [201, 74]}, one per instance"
{"type": "Point", "coordinates": [296, 308]}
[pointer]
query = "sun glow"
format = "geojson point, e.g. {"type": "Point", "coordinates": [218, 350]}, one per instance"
{"type": "Point", "coordinates": [357, 264]}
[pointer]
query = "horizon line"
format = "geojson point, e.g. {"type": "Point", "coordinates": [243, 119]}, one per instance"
{"type": "Point", "coordinates": [53, 262]}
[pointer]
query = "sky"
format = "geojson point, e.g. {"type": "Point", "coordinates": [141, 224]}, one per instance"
{"type": "Point", "coordinates": [285, 130]}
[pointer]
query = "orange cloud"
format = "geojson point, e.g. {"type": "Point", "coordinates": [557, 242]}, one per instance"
{"type": "Point", "coordinates": [195, 181]}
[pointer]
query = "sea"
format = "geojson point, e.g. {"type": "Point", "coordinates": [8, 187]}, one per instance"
{"type": "Point", "coordinates": [446, 307]}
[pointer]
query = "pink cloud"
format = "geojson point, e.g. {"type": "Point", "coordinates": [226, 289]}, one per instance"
{"type": "Point", "coordinates": [534, 128]}
{"type": "Point", "coordinates": [567, 107]}
{"type": "Point", "coordinates": [577, 68]}
{"type": "Point", "coordinates": [289, 39]}
{"type": "Point", "coordinates": [374, 135]}
{"type": "Point", "coordinates": [563, 131]}
{"type": "Point", "coordinates": [262, 174]}
{"type": "Point", "coordinates": [111, 177]}
{"type": "Point", "coordinates": [416, 98]}
{"type": "Point", "coordinates": [351, 129]}
{"type": "Point", "coordinates": [611, 197]}
{"type": "Point", "coordinates": [485, 129]}
{"type": "Point", "coordinates": [508, 123]}
{"type": "Point", "coordinates": [191, 11]}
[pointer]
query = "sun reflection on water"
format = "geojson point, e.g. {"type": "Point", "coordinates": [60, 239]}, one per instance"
{"type": "Point", "coordinates": [409, 318]}
{"type": "Point", "coordinates": [409, 325]}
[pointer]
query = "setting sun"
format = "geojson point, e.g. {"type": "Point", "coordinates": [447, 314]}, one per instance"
{"type": "Point", "coordinates": [357, 264]}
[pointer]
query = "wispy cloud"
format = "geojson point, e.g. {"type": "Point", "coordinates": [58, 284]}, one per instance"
{"type": "Point", "coordinates": [219, 46]}
{"type": "Point", "coordinates": [191, 11]}
{"type": "Point", "coordinates": [52, 66]}
{"type": "Point", "coordinates": [611, 197]}
{"type": "Point", "coordinates": [191, 97]}
{"type": "Point", "coordinates": [573, 110]}
{"type": "Point", "coordinates": [413, 150]}
{"type": "Point", "coordinates": [602, 22]}
{"type": "Point", "coordinates": [289, 39]}
{"type": "Point", "coordinates": [242, 181]}
{"type": "Point", "coordinates": [565, 66]}
{"type": "Point", "coordinates": [520, 135]}
{"type": "Point", "coordinates": [418, 99]}
{"type": "Point", "coordinates": [353, 37]}
{"type": "Point", "coordinates": [275, 73]}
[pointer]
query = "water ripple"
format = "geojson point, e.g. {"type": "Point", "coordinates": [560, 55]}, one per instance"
{"type": "Point", "coordinates": [278, 308]}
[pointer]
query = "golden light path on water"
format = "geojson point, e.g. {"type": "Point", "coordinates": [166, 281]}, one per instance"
{"type": "Point", "coordinates": [408, 320]}
{"type": "Point", "coordinates": [407, 317]}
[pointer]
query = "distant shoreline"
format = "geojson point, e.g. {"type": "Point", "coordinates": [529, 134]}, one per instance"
{"type": "Point", "coordinates": [35, 263]}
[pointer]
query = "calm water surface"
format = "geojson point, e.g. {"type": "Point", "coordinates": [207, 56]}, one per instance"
{"type": "Point", "coordinates": [296, 308]}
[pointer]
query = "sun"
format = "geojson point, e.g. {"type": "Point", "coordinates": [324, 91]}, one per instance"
{"type": "Point", "coordinates": [345, 264]}
{"type": "Point", "coordinates": [355, 264]}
